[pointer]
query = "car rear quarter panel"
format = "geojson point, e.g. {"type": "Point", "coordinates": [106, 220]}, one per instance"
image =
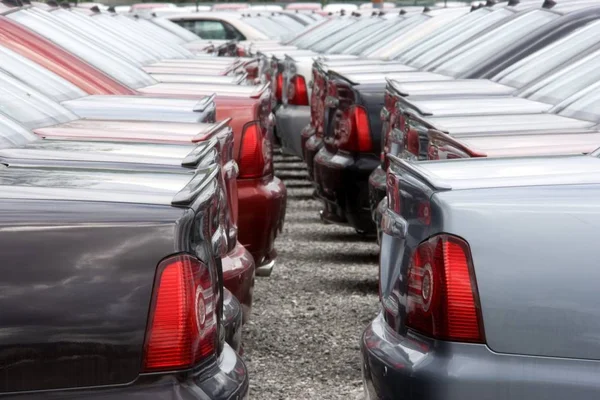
{"type": "Point", "coordinates": [535, 265]}
{"type": "Point", "coordinates": [75, 290]}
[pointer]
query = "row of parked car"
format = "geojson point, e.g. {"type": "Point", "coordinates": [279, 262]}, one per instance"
{"type": "Point", "coordinates": [463, 140]}
{"type": "Point", "coordinates": [137, 202]}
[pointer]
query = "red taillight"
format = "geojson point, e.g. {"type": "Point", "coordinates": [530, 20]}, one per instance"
{"type": "Point", "coordinates": [278, 86]}
{"type": "Point", "coordinates": [256, 153]}
{"type": "Point", "coordinates": [412, 142]}
{"type": "Point", "coordinates": [297, 91]}
{"type": "Point", "coordinates": [183, 321]}
{"type": "Point", "coordinates": [356, 133]}
{"type": "Point", "coordinates": [240, 51]}
{"type": "Point", "coordinates": [442, 297]}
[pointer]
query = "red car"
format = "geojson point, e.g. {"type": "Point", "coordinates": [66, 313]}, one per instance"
{"type": "Point", "coordinates": [262, 196]}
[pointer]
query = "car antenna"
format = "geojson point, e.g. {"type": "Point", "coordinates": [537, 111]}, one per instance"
{"type": "Point", "coordinates": [426, 9]}
{"type": "Point", "coordinates": [95, 9]}
{"type": "Point", "coordinates": [12, 3]}
{"type": "Point", "coordinates": [512, 3]}
{"type": "Point", "coordinates": [52, 3]}
{"type": "Point", "coordinates": [65, 4]}
{"type": "Point", "coordinates": [381, 13]}
{"type": "Point", "coordinates": [490, 3]}
{"type": "Point", "coordinates": [153, 15]}
{"type": "Point", "coordinates": [548, 4]}
{"type": "Point", "coordinates": [28, 2]}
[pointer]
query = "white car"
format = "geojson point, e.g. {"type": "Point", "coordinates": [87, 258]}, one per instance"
{"type": "Point", "coordinates": [218, 26]}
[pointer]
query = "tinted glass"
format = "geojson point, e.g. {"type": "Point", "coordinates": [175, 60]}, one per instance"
{"type": "Point", "coordinates": [36, 76]}
{"type": "Point", "coordinates": [546, 59]}
{"type": "Point", "coordinates": [328, 42]}
{"type": "Point", "coordinates": [487, 45]}
{"type": "Point", "coordinates": [321, 35]}
{"type": "Point", "coordinates": [364, 33]}
{"type": "Point", "coordinates": [409, 23]}
{"type": "Point", "coordinates": [175, 29]}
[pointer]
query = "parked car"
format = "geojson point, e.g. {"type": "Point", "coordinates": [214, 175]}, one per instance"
{"type": "Point", "coordinates": [353, 123]}
{"type": "Point", "coordinates": [111, 296]}
{"type": "Point", "coordinates": [450, 291]}
{"type": "Point", "coordinates": [218, 25]}
{"type": "Point", "coordinates": [256, 190]}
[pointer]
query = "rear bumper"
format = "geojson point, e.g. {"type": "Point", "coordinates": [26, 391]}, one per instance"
{"type": "Point", "coordinates": [311, 144]}
{"type": "Point", "coordinates": [232, 321]}
{"type": "Point", "coordinates": [238, 276]}
{"type": "Point", "coordinates": [262, 205]}
{"type": "Point", "coordinates": [416, 368]}
{"type": "Point", "coordinates": [342, 185]}
{"type": "Point", "coordinates": [225, 380]}
{"type": "Point", "coordinates": [290, 120]}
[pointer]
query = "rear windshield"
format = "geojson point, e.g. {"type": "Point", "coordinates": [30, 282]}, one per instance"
{"type": "Point", "coordinates": [464, 29]}
{"type": "Point", "coordinates": [391, 28]}
{"type": "Point", "coordinates": [548, 58]}
{"type": "Point", "coordinates": [468, 57]}
{"type": "Point", "coordinates": [47, 82]}
{"type": "Point", "coordinates": [29, 107]}
{"type": "Point", "coordinates": [565, 82]}
{"type": "Point", "coordinates": [14, 134]}
{"type": "Point", "coordinates": [365, 33]}
{"type": "Point", "coordinates": [112, 65]}
{"type": "Point", "coordinates": [330, 41]}
{"type": "Point", "coordinates": [407, 25]}
{"type": "Point", "coordinates": [586, 107]}
{"type": "Point", "coordinates": [173, 28]}
{"type": "Point", "coordinates": [315, 37]}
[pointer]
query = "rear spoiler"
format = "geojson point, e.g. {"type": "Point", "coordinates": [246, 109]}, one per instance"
{"type": "Point", "coordinates": [193, 158]}
{"type": "Point", "coordinates": [261, 89]}
{"type": "Point", "coordinates": [434, 134]}
{"type": "Point", "coordinates": [218, 127]}
{"type": "Point", "coordinates": [394, 88]}
{"type": "Point", "coordinates": [407, 104]}
{"type": "Point", "coordinates": [201, 178]}
{"type": "Point", "coordinates": [336, 75]}
{"type": "Point", "coordinates": [413, 169]}
{"type": "Point", "coordinates": [203, 104]}
{"type": "Point", "coordinates": [418, 118]}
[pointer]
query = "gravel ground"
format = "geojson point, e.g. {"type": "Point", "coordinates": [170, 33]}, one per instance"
{"type": "Point", "coordinates": [302, 341]}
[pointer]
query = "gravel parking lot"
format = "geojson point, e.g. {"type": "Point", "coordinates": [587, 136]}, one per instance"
{"type": "Point", "coordinates": [303, 339]}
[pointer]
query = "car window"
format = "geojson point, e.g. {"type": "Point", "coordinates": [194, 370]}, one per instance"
{"type": "Point", "coordinates": [119, 46]}
{"type": "Point", "coordinates": [14, 134]}
{"type": "Point", "coordinates": [115, 66]}
{"type": "Point", "coordinates": [328, 42]}
{"type": "Point", "coordinates": [485, 46]}
{"type": "Point", "coordinates": [332, 29]}
{"type": "Point", "coordinates": [468, 27]}
{"type": "Point", "coordinates": [28, 106]}
{"type": "Point", "coordinates": [175, 29]}
{"type": "Point", "coordinates": [267, 26]}
{"type": "Point", "coordinates": [586, 107]}
{"type": "Point", "coordinates": [410, 23]}
{"type": "Point", "coordinates": [546, 59]}
{"type": "Point", "coordinates": [36, 76]}
{"type": "Point", "coordinates": [207, 29]}
{"type": "Point", "coordinates": [363, 44]}
{"type": "Point", "coordinates": [566, 81]}
{"type": "Point", "coordinates": [366, 32]}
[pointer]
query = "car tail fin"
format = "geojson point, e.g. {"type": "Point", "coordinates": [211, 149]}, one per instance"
{"type": "Point", "coordinates": [442, 146]}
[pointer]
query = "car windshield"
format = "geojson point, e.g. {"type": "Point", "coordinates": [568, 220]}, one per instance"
{"type": "Point", "coordinates": [13, 134]}
{"type": "Point", "coordinates": [151, 29]}
{"type": "Point", "coordinates": [28, 106]}
{"type": "Point", "coordinates": [408, 24]}
{"type": "Point", "coordinates": [107, 62]}
{"type": "Point", "coordinates": [173, 28]}
{"type": "Point", "coordinates": [288, 22]}
{"type": "Point", "coordinates": [565, 82]}
{"type": "Point", "coordinates": [266, 26]}
{"type": "Point", "coordinates": [310, 32]}
{"type": "Point", "coordinates": [466, 58]}
{"type": "Point", "coordinates": [549, 57]}
{"type": "Point", "coordinates": [364, 33]}
{"type": "Point", "coordinates": [449, 37]}
{"type": "Point", "coordinates": [586, 106]}
{"type": "Point", "coordinates": [36, 76]}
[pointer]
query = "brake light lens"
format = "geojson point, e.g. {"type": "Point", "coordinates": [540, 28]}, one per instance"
{"type": "Point", "coordinates": [353, 132]}
{"type": "Point", "coordinates": [297, 91]}
{"type": "Point", "coordinates": [278, 86]}
{"type": "Point", "coordinates": [256, 153]}
{"type": "Point", "coordinates": [442, 300]}
{"type": "Point", "coordinates": [412, 142]}
{"type": "Point", "coordinates": [183, 320]}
